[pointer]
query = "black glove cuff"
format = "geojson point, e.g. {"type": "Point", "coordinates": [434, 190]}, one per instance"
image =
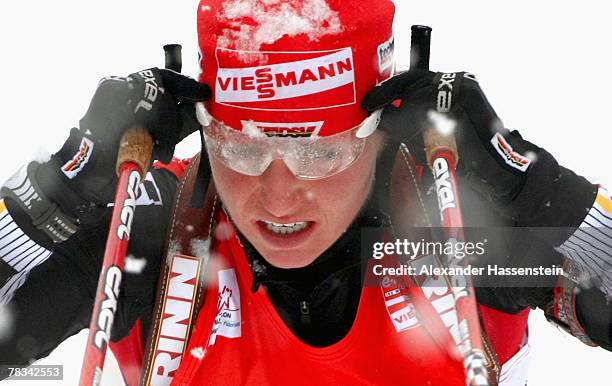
{"type": "Point", "coordinates": [552, 197]}
{"type": "Point", "coordinates": [24, 189]}
{"type": "Point", "coordinates": [536, 190]}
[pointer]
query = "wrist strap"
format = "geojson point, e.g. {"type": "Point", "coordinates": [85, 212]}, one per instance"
{"type": "Point", "coordinates": [562, 311]}
{"type": "Point", "coordinates": [46, 216]}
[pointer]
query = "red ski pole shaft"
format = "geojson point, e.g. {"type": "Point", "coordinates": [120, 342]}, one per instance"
{"type": "Point", "coordinates": [135, 151]}
{"type": "Point", "coordinates": [442, 157]}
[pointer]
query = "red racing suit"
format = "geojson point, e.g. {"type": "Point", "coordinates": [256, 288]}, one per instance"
{"type": "Point", "coordinates": [239, 338]}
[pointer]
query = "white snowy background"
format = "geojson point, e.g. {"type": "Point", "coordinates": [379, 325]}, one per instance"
{"type": "Point", "coordinates": [545, 66]}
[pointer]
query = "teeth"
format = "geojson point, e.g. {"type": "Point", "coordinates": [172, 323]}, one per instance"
{"type": "Point", "coordinates": [285, 229]}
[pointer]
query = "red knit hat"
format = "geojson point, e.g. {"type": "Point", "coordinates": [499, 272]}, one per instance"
{"type": "Point", "coordinates": [294, 66]}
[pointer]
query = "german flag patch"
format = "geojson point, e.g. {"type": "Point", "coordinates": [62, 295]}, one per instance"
{"type": "Point", "coordinates": [78, 162]}
{"type": "Point", "coordinates": [509, 156]}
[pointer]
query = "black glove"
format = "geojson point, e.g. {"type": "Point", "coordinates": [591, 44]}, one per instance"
{"type": "Point", "coordinates": [162, 101]}
{"type": "Point", "coordinates": [523, 180]}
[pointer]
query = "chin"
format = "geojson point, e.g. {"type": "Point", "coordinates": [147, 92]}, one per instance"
{"type": "Point", "coordinates": [288, 260]}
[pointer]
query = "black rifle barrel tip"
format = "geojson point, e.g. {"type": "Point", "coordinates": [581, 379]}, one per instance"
{"type": "Point", "coordinates": [421, 28]}
{"type": "Point", "coordinates": [420, 47]}
{"type": "Point", "coordinates": [172, 46]}
{"type": "Point", "coordinates": [174, 59]}
{"type": "Point", "coordinates": [420, 33]}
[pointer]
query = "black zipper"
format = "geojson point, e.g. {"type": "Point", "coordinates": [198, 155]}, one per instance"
{"type": "Point", "coordinates": [305, 313]}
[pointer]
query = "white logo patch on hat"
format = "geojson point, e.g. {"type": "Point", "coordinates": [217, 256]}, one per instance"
{"type": "Point", "coordinates": [317, 80]}
{"type": "Point", "coordinates": [385, 55]}
{"type": "Point", "coordinates": [279, 129]}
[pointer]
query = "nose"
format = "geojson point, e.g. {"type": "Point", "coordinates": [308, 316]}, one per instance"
{"type": "Point", "coordinates": [280, 190]}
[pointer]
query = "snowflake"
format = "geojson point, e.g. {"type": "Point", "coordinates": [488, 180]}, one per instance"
{"type": "Point", "coordinates": [134, 265]}
{"type": "Point", "coordinates": [198, 353]}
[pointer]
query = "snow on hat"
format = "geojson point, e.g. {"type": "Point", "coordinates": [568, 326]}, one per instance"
{"type": "Point", "coordinates": [298, 67]}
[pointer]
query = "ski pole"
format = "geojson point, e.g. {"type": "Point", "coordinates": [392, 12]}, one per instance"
{"type": "Point", "coordinates": [133, 160]}
{"type": "Point", "coordinates": [442, 157]}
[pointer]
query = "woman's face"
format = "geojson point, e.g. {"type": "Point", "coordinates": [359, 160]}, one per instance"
{"type": "Point", "coordinates": [314, 213]}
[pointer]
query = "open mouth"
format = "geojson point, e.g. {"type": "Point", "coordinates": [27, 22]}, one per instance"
{"type": "Point", "coordinates": [285, 229]}
{"type": "Point", "coordinates": [285, 236]}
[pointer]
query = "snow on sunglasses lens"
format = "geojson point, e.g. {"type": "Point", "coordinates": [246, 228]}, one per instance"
{"type": "Point", "coordinates": [251, 152]}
